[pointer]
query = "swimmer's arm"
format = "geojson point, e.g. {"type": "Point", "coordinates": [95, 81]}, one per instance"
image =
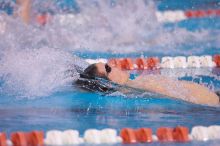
{"type": "Point", "coordinates": [184, 90]}
{"type": "Point", "coordinates": [24, 10]}
{"type": "Point", "coordinates": [201, 94]}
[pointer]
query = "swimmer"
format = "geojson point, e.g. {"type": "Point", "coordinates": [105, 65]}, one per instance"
{"type": "Point", "coordinates": [24, 11]}
{"type": "Point", "coordinates": [184, 90]}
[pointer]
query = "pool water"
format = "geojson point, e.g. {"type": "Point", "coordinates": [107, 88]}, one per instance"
{"type": "Point", "coordinates": [36, 92]}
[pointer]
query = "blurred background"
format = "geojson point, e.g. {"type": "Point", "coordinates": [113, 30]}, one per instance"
{"type": "Point", "coordinates": [118, 27]}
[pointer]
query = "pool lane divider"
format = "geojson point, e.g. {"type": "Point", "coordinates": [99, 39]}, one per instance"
{"type": "Point", "coordinates": [217, 60]}
{"type": "Point", "coordinates": [162, 16]}
{"type": "Point", "coordinates": [3, 139]}
{"type": "Point", "coordinates": [33, 138]}
{"type": "Point", "coordinates": [144, 135]}
{"type": "Point", "coordinates": [178, 15]}
{"type": "Point", "coordinates": [152, 63]}
{"type": "Point", "coordinates": [179, 134]}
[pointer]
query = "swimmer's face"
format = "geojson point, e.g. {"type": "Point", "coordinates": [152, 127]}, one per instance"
{"type": "Point", "coordinates": [112, 73]}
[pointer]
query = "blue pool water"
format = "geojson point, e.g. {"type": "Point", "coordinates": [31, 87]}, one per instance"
{"type": "Point", "coordinates": [36, 90]}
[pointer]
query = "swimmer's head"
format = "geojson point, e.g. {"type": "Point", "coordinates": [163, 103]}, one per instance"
{"type": "Point", "coordinates": [105, 71]}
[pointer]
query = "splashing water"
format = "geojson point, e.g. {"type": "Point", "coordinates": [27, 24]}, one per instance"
{"type": "Point", "coordinates": [36, 72]}
{"type": "Point", "coordinates": [29, 67]}
{"type": "Point", "coordinates": [127, 26]}
{"type": "Point", "coordinates": [34, 61]}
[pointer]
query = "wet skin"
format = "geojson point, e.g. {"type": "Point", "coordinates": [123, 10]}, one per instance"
{"type": "Point", "coordinates": [185, 90]}
{"type": "Point", "coordinates": [24, 10]}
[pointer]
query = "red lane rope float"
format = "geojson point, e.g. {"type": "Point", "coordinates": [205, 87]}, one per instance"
{"type": "Point", "coordinates": [19, 139]}
{"type": "Point", "coordinates": [115, 62]}
{"type": "Point", "coordinates": [198, 13]}
{"type": "Point", "coordinates": [140, 62]}
{"type": "Point", "coordinates": [181, 134]}
{"type": "Point", "coordinates": [119, 63]}
{"type": "Point", "coordinates": [165, 134]}
{"type": "Point", "coordinates": [35, 138]}
{"type": "Point", "coordinates": [178, 134]}
{"type": "Point", "coordinates": [127, 64]}
{"type": "Point", "coordinates": [201, 13]}
{"type": "Point", "coordinates": [153, 62]}
{"type": "Point", "coordinates": [128, 135]}
{"type": "Point", "coordinates": [213, 12]}
{"type": "Point", "coordinates": [217, 60]}
{"type": "Point", "coordinates": [3, 139]}
{"type": "Point", "coordinates": [144, 135]}
{"type": "Point", "coordinates": [112, 62]}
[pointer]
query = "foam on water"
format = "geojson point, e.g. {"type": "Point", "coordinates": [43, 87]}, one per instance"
{"type": "Point", "coordinates": [34, 60]}
{"type": "Point", "coordinates": [29, 67]}
{"type": "Point", "coordinates": [36, 72]}
{"type": "Point", "coordinates": [129, 26]}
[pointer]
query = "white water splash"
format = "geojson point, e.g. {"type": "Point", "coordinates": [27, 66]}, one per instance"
{"type": "Point", "coordinates": [127, 26]}
{"type": "Point", "coordinates": [119, 27]}
{"type": "Point", "coordinates": [37, 72]}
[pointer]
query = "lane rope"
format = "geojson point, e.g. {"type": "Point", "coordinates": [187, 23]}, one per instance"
{"type": "Point", "coordinates": [151, 63]}
{"type": "Point", "coordinates": [110, 136]}
{"type": "Point", "coordinates": [178, 15]}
